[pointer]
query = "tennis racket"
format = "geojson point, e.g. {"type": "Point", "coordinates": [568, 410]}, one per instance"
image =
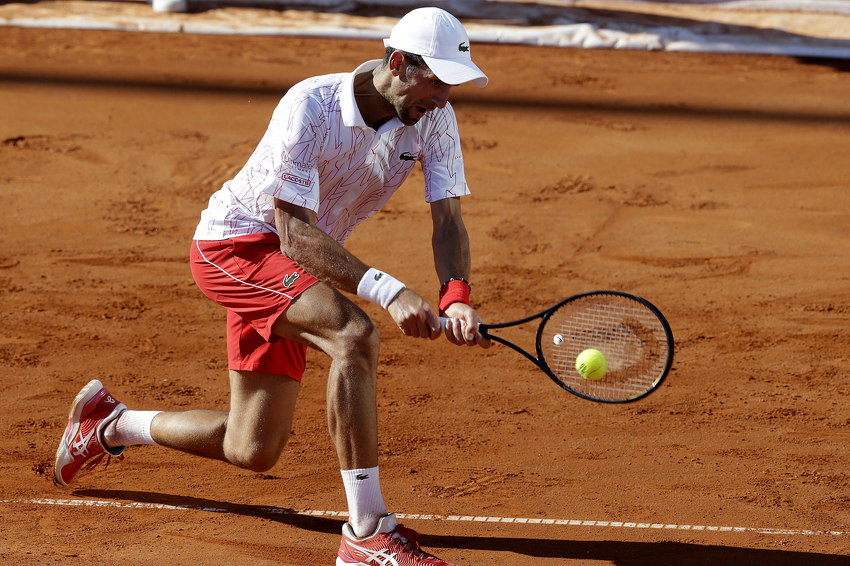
{"type": "Point", "coordinates": [631, 333]}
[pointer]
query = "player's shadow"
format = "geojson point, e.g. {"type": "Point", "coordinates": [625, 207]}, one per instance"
{"type": "Point", "coordinates": [277, 514]}
{"type": "Point", "coordinates": [620, 553]}
{"type": "Point", "coordinates": [625, 553]}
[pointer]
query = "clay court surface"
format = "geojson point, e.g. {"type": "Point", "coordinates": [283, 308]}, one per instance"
{"type": "Point", "coordinates": [716, 186]}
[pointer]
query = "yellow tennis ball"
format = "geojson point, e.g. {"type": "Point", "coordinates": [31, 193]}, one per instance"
{"type": "Point", "coordinates": [591, 364]}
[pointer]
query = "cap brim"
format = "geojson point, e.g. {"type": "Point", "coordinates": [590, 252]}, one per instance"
{"type": "Point", "coordinates": [457, 71]}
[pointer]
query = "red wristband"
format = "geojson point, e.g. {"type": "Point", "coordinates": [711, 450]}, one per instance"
{"type": "Point", "coordinates": [454, 291]}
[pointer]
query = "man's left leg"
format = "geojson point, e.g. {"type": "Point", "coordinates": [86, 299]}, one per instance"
{"type": "Point", "coordinates": [251, 436]}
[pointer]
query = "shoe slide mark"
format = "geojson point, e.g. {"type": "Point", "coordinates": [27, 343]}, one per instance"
{"type": "Point", "coordinates": [122, 257]}
{"type": "Point", "coordinates": [585, 81]}
{"type": "Point", "coordinates": [470, 143]}
{"type": "Point", "coordinates": [71, 145]}
{"type": "Point", "coordinates": [135, 216]}
{"type": "Point", "coordinates": [200, 176]}
{"type": "Point", "coordinates": [597, 122]}
{"type": "Point", "coordinates": [479, 478]}
{"type": "Point", "coordinates": [550, 522]}
{"type": "Point", "coordinates": [566, 186]}
{"type": "Point", "coordinates": [620, 199]}
{"type": "Point", "coordinates": [474, 144]}
{"type": "Point", "coordinates": [20, 356]}
{"type": "Point", "coordinates": [729, 168]}
{"type": "Point", "coordinates": [697, 267]}
{"type": "Point", "coordinates": [9, 285]}
{"type": "Point", "coordinates": [521, 290]}
{"type": "Point", "coordinates": [800, 186]}
{"type": "Point", "coordinates": [517, 234]}
{"type": "Point", "coordinates": [507, 230]}
{"type": "Point", "coordinates": [471, 115]}
{"type": "Point", "coordinates": [829, 308]}
{"type": "Point", "coordinates": [637, 196]}
{"type": "Point", "coordinates": [706, 205]}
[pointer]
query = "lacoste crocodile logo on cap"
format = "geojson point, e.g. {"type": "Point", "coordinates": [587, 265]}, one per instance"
{"type": "Point", "coordinates": [442, 42]}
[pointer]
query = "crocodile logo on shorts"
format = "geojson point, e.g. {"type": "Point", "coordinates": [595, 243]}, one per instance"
{"type": "Point", "coordinates": [289, 280]}
{"type": "Point", "coordinates": [407, 157]}
{"type": "Point", "coordinates": [463, 47]}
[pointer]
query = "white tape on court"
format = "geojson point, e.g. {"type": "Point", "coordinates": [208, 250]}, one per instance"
{"type": "Point", "coordinates": [428, 517]}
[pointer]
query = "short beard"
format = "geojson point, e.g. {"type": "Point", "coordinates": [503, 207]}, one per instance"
{"type": "Point", "coordinates": [403, 113]}
{"type": "Point", "coordinates": [405, 117]}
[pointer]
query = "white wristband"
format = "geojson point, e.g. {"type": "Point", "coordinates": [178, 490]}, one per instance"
{"type": "Point", "coordinates": [379, 287]}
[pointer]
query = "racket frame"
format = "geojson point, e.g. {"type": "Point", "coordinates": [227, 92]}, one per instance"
{"type": "Point", "coordinates": [540, 360]}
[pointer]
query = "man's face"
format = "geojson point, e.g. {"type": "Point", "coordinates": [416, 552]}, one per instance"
{"type": "Point", "coordinates": [413, 94]}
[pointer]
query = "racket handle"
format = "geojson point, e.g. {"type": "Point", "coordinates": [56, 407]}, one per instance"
{"type": "Point", "coordinates": [443, 321]}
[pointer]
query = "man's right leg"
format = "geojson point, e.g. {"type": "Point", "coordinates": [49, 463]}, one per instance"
{"type": "Point", "coordinates": [330, 322]}
{"type": "Point", "coordinates": [325, 319]}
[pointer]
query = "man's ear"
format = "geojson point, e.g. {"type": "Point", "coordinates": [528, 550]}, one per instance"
{"type": "Point", "coordinates": [397, 63]}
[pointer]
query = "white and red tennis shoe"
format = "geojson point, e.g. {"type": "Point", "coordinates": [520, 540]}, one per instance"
{"type": "Point", "coordinates": [82, 443]}
{"type": "Point", "coordinates": [390, 545]}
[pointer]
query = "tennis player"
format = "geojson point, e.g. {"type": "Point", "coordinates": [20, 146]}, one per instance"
{"type": "Point", "coordinates": [270, 249]}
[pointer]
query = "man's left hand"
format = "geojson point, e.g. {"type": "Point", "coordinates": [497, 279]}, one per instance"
{"type": "Point", "coordinates": [462, 326]}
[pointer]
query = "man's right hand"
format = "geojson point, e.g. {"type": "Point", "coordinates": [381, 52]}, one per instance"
{"type": "Point", "coordinates": [414, 316]}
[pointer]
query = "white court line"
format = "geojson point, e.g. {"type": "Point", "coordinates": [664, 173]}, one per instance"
{"type": "Point", "coordinates": [431, 517]}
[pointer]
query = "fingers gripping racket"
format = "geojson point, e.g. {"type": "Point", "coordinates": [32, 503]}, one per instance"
{"type": "Point", "coordinates": [631, 333]}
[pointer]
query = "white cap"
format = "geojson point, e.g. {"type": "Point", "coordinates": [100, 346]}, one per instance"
{"type": "Point", "coordinates": [439, 38]}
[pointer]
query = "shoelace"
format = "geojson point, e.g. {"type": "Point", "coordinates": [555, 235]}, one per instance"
{"type": "Point", "coordinates": [97, 459]}
{"type": "Point", "coordinates": [408, 539]}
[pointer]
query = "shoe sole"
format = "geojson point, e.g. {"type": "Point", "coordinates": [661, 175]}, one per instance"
{"type": "Point", "coordinates": [63, 454]}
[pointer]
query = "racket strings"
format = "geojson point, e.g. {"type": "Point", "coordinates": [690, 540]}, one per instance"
{"type": "Point", "coordinates": [627, 332]}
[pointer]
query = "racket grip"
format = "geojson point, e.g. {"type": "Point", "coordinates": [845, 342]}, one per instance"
{"type": "Point", "coordinates": [443, 321]}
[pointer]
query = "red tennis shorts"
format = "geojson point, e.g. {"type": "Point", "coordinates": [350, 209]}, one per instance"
{"type": "Point", "coordinates": [256, 283]}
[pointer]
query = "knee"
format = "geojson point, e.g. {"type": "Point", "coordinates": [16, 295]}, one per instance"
{"type": "Point", "coordinates": [358, 342]}
{"type": "Point", "coordinates": [257, 456]}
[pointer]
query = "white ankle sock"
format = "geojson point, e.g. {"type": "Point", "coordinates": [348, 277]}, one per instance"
{"type": "Point", "coordinates": [365, 502]}
{"type": "Point", "coordinates": [133, 428]}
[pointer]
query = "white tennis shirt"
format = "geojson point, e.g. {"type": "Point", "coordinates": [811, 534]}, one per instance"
{"type": "Point", "coordinates": [318, 153]}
